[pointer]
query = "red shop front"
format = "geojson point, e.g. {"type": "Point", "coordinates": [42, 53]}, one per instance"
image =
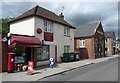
{"type": "Point", "coordinates": [25, 49]}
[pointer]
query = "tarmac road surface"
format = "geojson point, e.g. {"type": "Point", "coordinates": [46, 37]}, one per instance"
{"type": "Point", "coordinates": [103, 71]}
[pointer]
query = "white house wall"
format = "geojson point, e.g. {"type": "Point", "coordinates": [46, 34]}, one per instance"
{"type": "Point", "coordinates": [70, 40]}
{"type": "Point", "coordinates": [62, 40]}
{"type": "Point", "coordinates": [39, 23]}
{"type": "Point", "coordinates": [24, 27]}
{"type": "Point", "coordinates": [58, 39]}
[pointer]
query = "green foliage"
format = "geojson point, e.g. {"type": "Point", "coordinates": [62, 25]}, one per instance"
{"type": "Point", "coordinates": [4, 25]}
{"type": "Point", "coordinates": [118, 39]}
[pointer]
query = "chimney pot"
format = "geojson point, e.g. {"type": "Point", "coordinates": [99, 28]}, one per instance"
{"type": "Point", "coordinates": [61, 15]}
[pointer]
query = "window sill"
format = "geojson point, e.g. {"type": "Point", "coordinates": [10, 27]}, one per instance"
{"type": "Point", "coordinates": [82, 46]}
{"type": "Point", "coordinates": [42, 60]}
{"type": "Point", "coordinates": [48, 32]}
{"type": "Point", "coordinates": [66, 35]}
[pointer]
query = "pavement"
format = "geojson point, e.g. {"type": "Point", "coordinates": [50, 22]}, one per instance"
{"type": "Point", "coordinates": [47, 72]}
{"type": "Point", "coordinates": [102, 71]}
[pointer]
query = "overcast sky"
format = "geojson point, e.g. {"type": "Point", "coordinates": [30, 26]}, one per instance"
{"type": "Point", "coordinates": [75, 13]}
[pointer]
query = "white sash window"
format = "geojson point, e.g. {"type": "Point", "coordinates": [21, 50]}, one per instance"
{"type": "Point", "coordinates": [82, 43]}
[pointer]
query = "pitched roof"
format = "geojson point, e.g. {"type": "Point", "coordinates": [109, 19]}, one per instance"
{"type": "Point", "coordinates": [110, 34]}
{"type": "Point", "coordinates": [44, 13]}
{"type": "Point", "coordinates": [86, 30]}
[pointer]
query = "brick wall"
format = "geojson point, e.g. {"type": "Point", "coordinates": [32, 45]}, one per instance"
{"type": "Point", "coordinates": [3, 56]}
{"type": "Point", "coordinates": [82, 51]}
{"type": "Point", "coordinates": [89, 43]}
{"type": "Point", "coordinates": [100, 37]}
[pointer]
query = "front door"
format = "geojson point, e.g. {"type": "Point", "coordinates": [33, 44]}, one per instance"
{"type": "Point", "coordinates": [55, 53]}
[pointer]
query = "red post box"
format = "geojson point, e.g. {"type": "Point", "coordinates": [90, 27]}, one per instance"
{"type": "Point", "coordinates": [30, 67]}
{"type": "Point", "coordinates": [11, 56]}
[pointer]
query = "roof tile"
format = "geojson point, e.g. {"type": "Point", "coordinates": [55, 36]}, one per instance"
{"type": "Point", "coordinates": [85, 30]}
{"type": "Point", "coordinates": [42, 12]}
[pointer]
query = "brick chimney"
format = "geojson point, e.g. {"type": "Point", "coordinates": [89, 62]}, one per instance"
{"type": "Point", "coordinates": [61, 15]}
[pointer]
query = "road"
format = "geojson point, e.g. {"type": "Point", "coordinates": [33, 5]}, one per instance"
{"type": "Point", "coordinates": [103, 71]}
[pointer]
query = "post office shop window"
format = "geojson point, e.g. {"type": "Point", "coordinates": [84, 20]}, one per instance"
{"type": "Point", "coordinates": [20, 51]}
{"type": "Point", "coordinates": [43, 53]}
{"type": "Point", "coordinates": [20, 55]}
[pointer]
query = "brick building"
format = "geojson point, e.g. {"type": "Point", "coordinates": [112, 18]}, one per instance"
{"type": "Point", "coordinates": [110, 43]}
{"type": "Point", "coordinates": [3, 53]}
{"type": "Point", "coordinates": [90, 40]}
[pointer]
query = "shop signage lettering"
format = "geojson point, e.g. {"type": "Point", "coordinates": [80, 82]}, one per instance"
{"type": "Point", "coordinates": [48, 36]}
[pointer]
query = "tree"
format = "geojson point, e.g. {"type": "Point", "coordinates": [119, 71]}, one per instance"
{"type": "Point", "coordinates": [4, 25]}
{"type": "Point", "coordinates": [118, 39]}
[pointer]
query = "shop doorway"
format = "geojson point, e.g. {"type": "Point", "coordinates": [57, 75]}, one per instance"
{"type": "Point", "coordinates": [22, 57]}
{"type": "Point", "coordinates": [28, 55]}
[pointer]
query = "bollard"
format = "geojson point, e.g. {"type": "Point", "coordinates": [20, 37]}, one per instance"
{"type": "Point", "coordinates": [51, 62]}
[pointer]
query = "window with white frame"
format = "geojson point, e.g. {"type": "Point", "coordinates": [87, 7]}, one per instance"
{"type": "Point", "coordinates": [43, 53]}
{"type": "Point", "coordinates": [66, 31]}
{"type": "Point", "coordinates": [82, 43]}
{"type": "Point", "coordinates": [48, 26]}
{"type": "Point", "coordinates": [66, 49]}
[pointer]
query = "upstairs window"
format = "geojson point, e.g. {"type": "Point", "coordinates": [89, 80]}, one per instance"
{"type": "Point", "coordinates": [66, 31]}
{"type": "Point", "coordinates": [48, 26]}
{"type": "Point", "coordinates": [82, 43]}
